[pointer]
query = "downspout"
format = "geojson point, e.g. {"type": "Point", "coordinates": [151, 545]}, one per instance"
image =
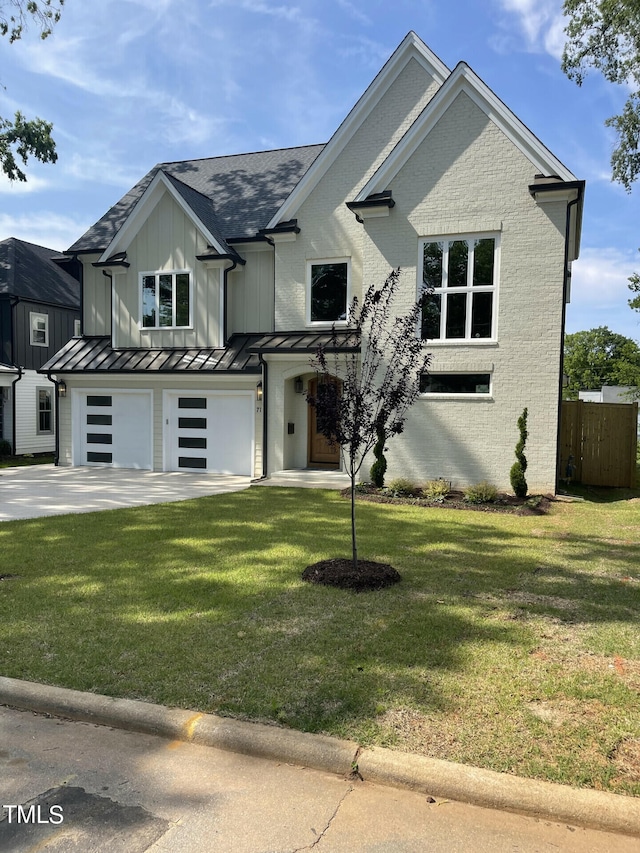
{"type": "Point", "coordinates": [56, 416]}
{"type": "Point", "coordinates": [265, 399]}
{"type": "Point", "coordinates": [13, 404]}
{"type": "Point", "coordinates": [225, 282]}
{"type": "Point", "coordinates": [565, 287]}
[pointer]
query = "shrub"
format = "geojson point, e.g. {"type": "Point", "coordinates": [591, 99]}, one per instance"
{"type": "Point", "coordinates": [437, 490]}
{"type": "Point", "coordinates": [379, 467]}
{"type": "Point", "coordinates": [5, 448]}
{"type": "Point", "coordinates": [402, 488]}
{"type": "Point", "coordinates": [516, 475]}
{"type": "Point", "coordinates": [481, 493]}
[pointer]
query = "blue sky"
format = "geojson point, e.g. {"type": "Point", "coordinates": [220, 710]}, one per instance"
{"type": "Point", "coordinates": [130, 83]}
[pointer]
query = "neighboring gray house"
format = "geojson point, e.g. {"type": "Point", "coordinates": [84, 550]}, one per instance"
{"type": "Point", "coordinates": [39, 313]}
{"type": "Point", "coordinates": [207, 287]}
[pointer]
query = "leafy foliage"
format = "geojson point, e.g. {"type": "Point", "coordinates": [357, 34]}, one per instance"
{"type": "Point", "coordinates": [402, 487]}
{"type": "Point", "coordinates": [379, 467]}
{"type": "Point", "coordinates": [599, 357]}
{"type": "Point", "coordinates": [20, 138]}
{"type": "Point", "coordinates": [516, 475]}
{"type": "Point", "coordinates": [13, 20]}
{"type": "Point", "coordinates": [605, 34]}
{"type": "Point", "coordinates": [481, 493]}
{"type": "Point", "coordinates": [377, 385]}
{"type": "Point", "coordinates": [436, 489]}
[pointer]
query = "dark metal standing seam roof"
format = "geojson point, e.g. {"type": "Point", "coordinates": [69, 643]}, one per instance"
{"type": "Point", "coordinates": [96, 355]}
{"type": "Point", "coordinates": [346, 340]}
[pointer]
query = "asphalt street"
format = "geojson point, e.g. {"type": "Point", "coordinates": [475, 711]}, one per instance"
{"type": "Point", "coordinates": [68, 785]}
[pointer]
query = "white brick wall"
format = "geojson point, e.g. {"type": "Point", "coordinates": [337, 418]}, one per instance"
{"type": "Point", "coordinates": [466, 177]}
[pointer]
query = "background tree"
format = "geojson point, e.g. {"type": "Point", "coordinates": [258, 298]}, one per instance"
{"type": "Point", "coordinates": [21, 138]}
{"type": "Point", "coordinates": [377, 386]}
{"type": "Point", "coordinates": [599, 357]}
{"type": "Point", "coordinates": [605, 34]}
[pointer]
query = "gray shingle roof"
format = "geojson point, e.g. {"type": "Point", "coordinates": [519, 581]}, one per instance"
{"type": "Point", "coordinates": [28, 271]}
{"type": "Point", "coordinates": [245, 192]}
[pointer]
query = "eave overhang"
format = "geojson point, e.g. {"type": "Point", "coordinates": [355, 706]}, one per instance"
{"type": "Point", "coordinates": [372, 207]}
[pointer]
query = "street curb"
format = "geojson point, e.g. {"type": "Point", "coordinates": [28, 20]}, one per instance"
{"type": "Point", "coordinates": [583, 807]}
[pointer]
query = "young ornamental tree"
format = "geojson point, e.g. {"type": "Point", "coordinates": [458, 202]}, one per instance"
{"type": "Point", "coordinates": [518, 481]}
{"type": "Point", "coordinates": [375, 388]}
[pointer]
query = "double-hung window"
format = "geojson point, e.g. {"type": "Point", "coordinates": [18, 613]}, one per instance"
{"type": "Point", "coordinates": [461, 276]}
{"type": "Point", "coordinates": [39, 324]}
{"type": "Point", "coordinates": [44, 411]}
{"type": "Point", "coordinates": [165, 300]}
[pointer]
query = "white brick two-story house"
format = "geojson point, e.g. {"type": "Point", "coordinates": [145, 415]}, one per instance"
{"type": "Point", "coordinates": [208, 286]}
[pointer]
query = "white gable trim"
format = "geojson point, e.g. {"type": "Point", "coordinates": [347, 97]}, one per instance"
{"type": "Point", "coordinates": [143, 209]}
{"type": "Point", "coordinates": [412, 47]}
{"type": "Point", "coordinates": [464, 79]}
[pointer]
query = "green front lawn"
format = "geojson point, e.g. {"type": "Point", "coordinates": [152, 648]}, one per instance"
{"type": "Point", "coordinates": [512, 642]}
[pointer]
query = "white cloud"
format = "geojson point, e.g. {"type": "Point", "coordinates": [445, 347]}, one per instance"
{"type": "Point", "coordinates": [541, 22]}
{"type": "Point", "coordinates": [33, 184]}
{"type": "Point", "coordinates": [43, 228]}
{"type": "Point", "coordinates": [600, 277]}
{"type": "Point", "coordinates": [357, 14]}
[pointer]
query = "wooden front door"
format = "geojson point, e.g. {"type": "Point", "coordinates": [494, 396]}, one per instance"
{"type": "Point", "coordinates": [322, 453]}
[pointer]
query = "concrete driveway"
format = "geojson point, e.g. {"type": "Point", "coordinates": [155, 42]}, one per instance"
{"type": "Point", "coordinates": [42, 490]}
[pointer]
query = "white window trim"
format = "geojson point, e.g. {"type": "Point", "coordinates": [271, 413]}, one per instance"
{"type": "Point", "coordinates": [173, 274]}
{"type": "Point", "coordinates": [33, 319]}
{"type": "Point", "coordinates": [327, 324]}
{"type": "Point", "coordinates": [49, 390]}
{"type": "Point", "coordinates": [469, 289]}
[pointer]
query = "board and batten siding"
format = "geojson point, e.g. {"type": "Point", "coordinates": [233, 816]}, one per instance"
{"type": "Point", "coordinates": [250, 291]}
{"type": "Point", "coordinates": [96, 288]}
{"type": "Point", "coordinates": [168, 241]}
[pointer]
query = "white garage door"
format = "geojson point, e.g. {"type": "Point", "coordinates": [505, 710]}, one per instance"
{"type": "Point", "coordinates": [113, 428]}
{"type": "Point", "coordinates": [212, 432]}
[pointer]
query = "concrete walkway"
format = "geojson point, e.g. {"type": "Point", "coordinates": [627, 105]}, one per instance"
{"type": "Point", "coordinates": [41, 490]}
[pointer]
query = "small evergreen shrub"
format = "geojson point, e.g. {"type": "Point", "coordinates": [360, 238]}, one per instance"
{"type": "Point", "coordinates": [379, 467]}
{"type": "Point", "coordinates": [5, 448]}
{"type": "Point", "coordinates": [481, 493]}
{"type": "Point", "coordinates": [402, 488]}
{"type": "Point", "coordinates": [436, 490]}
{"type": "Point", "coordinates": [516, 475]}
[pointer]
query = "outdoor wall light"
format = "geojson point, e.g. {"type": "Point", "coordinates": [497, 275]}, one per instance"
{"type": "Point", "coordinates": [62, 389]}
{"type": "Point", "coordinates": [259, 391]}
{"type": "Point", "coordinates": [298, 385]}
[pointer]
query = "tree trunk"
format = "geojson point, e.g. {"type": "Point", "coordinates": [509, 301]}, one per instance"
{"type": "Point", "coordinates": [354, 546]}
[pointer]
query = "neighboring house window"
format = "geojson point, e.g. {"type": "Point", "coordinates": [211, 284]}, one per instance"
{"type": "Point", "coordinates": [39, 329]}
{"type": "Point", "coordinates": [328, 291]}
{"type": "Point", "coordinates": [166, 300]}
{"type": "Point", "coordinates": [44, 414]}
{"type": "Point", "coordinates": [455, 383]}
{"type": "Point", "coordinates": [462, 274]}
{"type": "Point", "coordinates": [77, 328]}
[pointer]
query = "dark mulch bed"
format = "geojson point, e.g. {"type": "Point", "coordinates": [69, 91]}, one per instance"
{"type": "Point", "coordinates": [340, 572]}
{"type": "Point", "coordinates": [532, 505]}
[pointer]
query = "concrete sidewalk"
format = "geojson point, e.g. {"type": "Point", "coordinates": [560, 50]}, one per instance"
{"type": "Point", "coordinates": [242, 785]}
{"type": "Point", "coordinates": [42, 490]}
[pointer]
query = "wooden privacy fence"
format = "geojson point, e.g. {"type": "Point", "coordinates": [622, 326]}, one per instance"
{"type": "Point", "coordinates": [598, 443]}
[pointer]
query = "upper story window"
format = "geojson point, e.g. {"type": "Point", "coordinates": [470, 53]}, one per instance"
{"type": "Point", "coordinates": [328, 291]}
{"type": "Point", "coordinates": [462, 272]}
{"type": "Point", "coordinates": [39, 329]}
{"type": "Point", "coordinates": [165, 300]}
